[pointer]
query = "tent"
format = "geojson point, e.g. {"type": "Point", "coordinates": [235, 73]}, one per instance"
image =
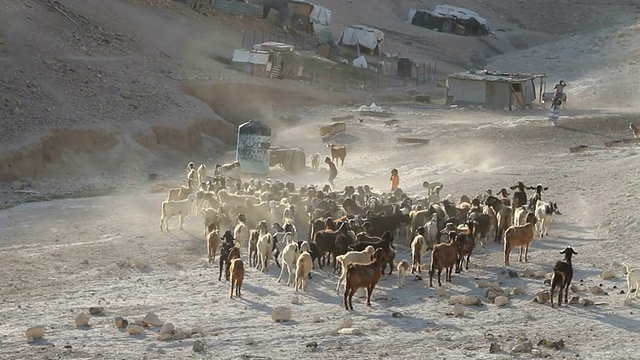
{"type": "Point", "coordinates": [359, 35]}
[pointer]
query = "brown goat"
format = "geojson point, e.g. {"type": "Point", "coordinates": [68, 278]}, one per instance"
{"type": "Point", "coordinates": [465, 244]}
{"type": "Point", "coordinates": [236, 270]}
{"type": "Point", "coordinates": [444, 256]}
{"type": "Point", "coordinates": [519, 236]}
{"type": "Point", "coordinates": [363, 276]}
{"type": "Point", "coordinates": [503, 216]}
{"type": "Point", "coordinates": [213, 242]}
{"type": "Point", "coordinates": [253, 247]}
{"type": "Point", "coordinates": [338, 153]}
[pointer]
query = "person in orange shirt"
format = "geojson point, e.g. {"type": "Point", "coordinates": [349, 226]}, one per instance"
{"type": "Point", "coordinates": [395, 179]}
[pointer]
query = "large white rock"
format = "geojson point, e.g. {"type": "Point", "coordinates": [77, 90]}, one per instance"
{"type": "Point", "coordinates": [471, 300]}
{"type": "Point", "coordinates": [152, 319]}
{"type": "Point", "coordinates": [281, 313]}
{"type": "Point", "coordinates": [501, 300]}
{"type": "Point", "coordinates": [596, 290]}
{"type": "Point", "coordinates": [483, 283]}
{"type": "Point", "coordinates": [135, 329]}
{"type": "Point", "coordinates": [442, 292]}
{"type": "Point", "coordinates": [164, 337]}
{"type": "Point", "coordinates": [458, 310]}
{"type": "Point", "coordinates": [608, 274]}
{"type": "Point", "coordinates": [295, 300]}
{"type": "Point", "coordinates": [519, 290]}
{"type": "Point", "coordinates": [82, 320]}
{"type": "Point", "coordinates": [349, 331]}
{"type": "Point", "coordinates": [36, 332]}
{"type": "Point", "coordinates": [346, 323]}
{"type": "Point", "coordinates": [528, 273]}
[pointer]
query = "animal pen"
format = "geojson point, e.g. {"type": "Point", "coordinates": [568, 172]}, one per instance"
{"type": "Point", "coordinates": [494, 90]}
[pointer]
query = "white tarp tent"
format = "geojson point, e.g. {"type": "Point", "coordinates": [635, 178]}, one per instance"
{"type": "Point", "coordinates": [361, 35]}
{"type": "Point", "coordinates": [460, 13]}
{"type": "Point", "coordinates": [320, 15]}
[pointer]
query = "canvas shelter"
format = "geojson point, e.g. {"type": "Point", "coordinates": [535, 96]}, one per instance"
{"type": "Point", "coordinates": [494, 90]}
{"type": "Point", "coordinates": [450, 19]}
{"type": "Point", "coordinates": [363, 36]}
{"type": "Point", "coordinates": [269, 59]}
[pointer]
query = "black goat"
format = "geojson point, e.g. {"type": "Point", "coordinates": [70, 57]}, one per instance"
{"type": "Point", "coordinates": [537, 196]}
{"type": "Point", "coordinates": [562, 275]}
{"type": "Point", "coordinates": [519, 195]}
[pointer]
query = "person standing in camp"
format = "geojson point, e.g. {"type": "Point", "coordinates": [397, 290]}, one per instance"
{"type": "Point", "coordinates": [395, 179]}
{"type": "Point", "coordinates": [333, 171]}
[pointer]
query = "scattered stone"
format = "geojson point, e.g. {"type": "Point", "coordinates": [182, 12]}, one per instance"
{"type": "Point", "coordinates": [482, 283]}
{"type": "Point", "coordinates": [96, 310]}
{"type": "Point", "coordinates": [135, 329]}
{"type": "Point", "coordinates": [152, 320]}
{"type": "Point", "coordinates": [198, 346]}
{"type": "Point", "coordinates": [442, 292]}
{"type": "Point", "coordinates": [528, 273]}
{"type": "Point", "coordinates": [139, 322]}
{"type": "Point", "coordinates": [249, 341]}
{"type": "Point", "coordinates": [495, 286]}
{"type": "Point", "coordinates": [574, 300]}
{"type": "Point", "coordinates": [519, 290]}
{"type": "Point", "coordinates": [397, 314]}
{"type": "Point", "coordinates": [281, 313]}
{"type": "Point", "coordinates": [552, 344]}
{"type": "Point", "coordinates": [574, 289]}
{"type": "Point", "coordinates": [608, 274]}
{"type": "Point", "coordinates": [523, 347]}
{"type": "Point", "coordinates": [596, 290]}
{"type": "Point", "coordinates": [172, 260]}
{"type": "Point", "coordinates": [167, 329]}
{"type": "Point", "coordinates": [587, 302]}
{"type": "Point", "coordinates": [17, 185]}
{"type": "Point", "coordinates": [512, 274]}
{"type": "Point", "coordinates": [126, 95]}
{"type": "Point", "coordinates": [491, 294]}
{"type": "Point", "coordinates": [318, 319]}
{"type": "Point", "coordinates": [164, 337]}
{"type": "Point", "coordinates": [311, 344]}
{"type": "Point", "coordinates": [121, 322]}
{"type": "Point", "coordinates": [82, 320]}
{"type": "Point", "coordinates": [349, 331]}
{"type": "Point", "coordinates": [35, 333]}
{"type": "Point", "coordinates": [541, 297]}
{"type": "Point", "coordinates": [180, 335]}
{"type": "Point", "coordinates": [494, 348]}
{"type": "Point", "coordinates": [458, 310]}
{"type": "Point", "coordinates": [295, 300]}
{"type": "Point", "coordinates": [471, 300]}
{"type": "Point", "coordinates": [627, 302]}
{"type": "Point", "coordinates": [346, 323]}
{"type": "Point", "coordinates": [501, 300]}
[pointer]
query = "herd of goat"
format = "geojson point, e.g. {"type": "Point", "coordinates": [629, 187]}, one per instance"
{"type": "Point", "coordinates": [353, 230]}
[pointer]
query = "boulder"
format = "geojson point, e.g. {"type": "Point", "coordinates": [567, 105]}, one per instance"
{"type": "Point", "coordinates": [96, 310]}
{"type": "Point", "coordinates": [627, 302]}
{"type": "Point", "coordinates": [523, 347]}
{"type": "Point", "coordinates": [198, 346]}
{"type": "Point", "coordinates": [482, 283]}
{"type": "Point", "coordinates": [167, 329]}
{"type": "Point", "coordinates": [82, 320]}
{"type": "Point", "coordinates": [519, 290]}
{"type": "Point", "coordinates": [164, 337]}
{"type": "Point", "coordinates": [281, 313]}
{"type": "Point", "coordinates": [295, 300]}
{"type": "Point", "coordinates": [180, 335]}
{"type": "Point", "coordinates": [541, 297]}
{"type": "Point", "coordinates": [494, 348]}
{"type": "Point", "coordinates": [528, 273]}
{"type": "Point", "coordinates": [349, 331]}
{"type": "Point", "coordinates": [471, 300]}
{"type": "Point", "coordinates": [442, 292]}
{"type": "Point", "coordinates": [35, 333]}
{"type": "Point", "coordinates": [458, 310]}
{"type": "Point", "coordinates": [152, 320]}
{"type": "Point", "coordinates": [587, 302]}
{"type": "Point", "coordinates": [249, 341]}
{"type": "Point", "coordinates": [346, 323]}
{"type": "Point", "coordinates": [552, 344]}
{"type": "Point", "coordinates": [608, 274]}
{"type": "Point", "coordinates": [596, 290]}
{"type": "Point", "coordinates": [574, 300]}
{"type": "Point", "coordinates": [135, 329]}
{"type": "Point", "coordinates": [512, 274]}
{"type": "Point", "coordinates": [121, 322]}
{"type": "Point", "coordinates": [574, 289]}
{"type": "Point", "coordinates": [501, 300]}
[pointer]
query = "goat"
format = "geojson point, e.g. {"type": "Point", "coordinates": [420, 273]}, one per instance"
{"type": "Point", "coordinates": [191, 175]}
{"type": "Point", "coordinates": [363, 276]}
{"type": "Point", "coordinates": [231, 170]}
{"type": "Point", "coordinates": [403, 269]}
{"type": "Point", "coordinates": [213, 243]}
{"type": "Point", "coordinates": [503, 216]}
{"type": "Point", "coordinates": [537, 196]}
{"type": "Point", "coordinates": [519, 195]}
{"type": "Point", "coordinates": [635, 130]}
{"type": "Point", "coordinates": [519, 236]}
{"type": "Point", "coordinates": [338, 153]}
{"type": "Point", "coordinates": [241, 232]}
{"type": "Point", "coordinates": [303, 270]}
{"type": "Point", "coordinates": [633, 280]}
{"type": "Point", "coordinates": [312, 249]}
{"type": "Point", "coordinates": [418, 248]}
{"type": "Point", "coordinates": [520, 215]}
{"type": "Point", "coordinates": [225, 249]}
{"type": "Point", "coordinates": [315, 162]}
{"type": "Point", "coordinates": [180, 208]}
{"type": "Point", "coordinates": [253, 248]}
{"type": "Point", "coordinates": [289, 257]}
{"type": "Point", "coordinates": [180, 193]}
{"type": "Point", "coordinates": [236, 271]}
{"type": "Point", "coordinates": [201, 173]}
{"type": "Point", "coordinates": [544, 213]}
{"type": "Point", "coordinates": [444, 256]}
{"type": "Point", "coordinates": [210, 218]}
{"type": "Point", "coordinates": [351, 257]}
{"type": "Point", "coordinates": [562, 275]}
{"type": "Point", "coordinates": [465, 244]}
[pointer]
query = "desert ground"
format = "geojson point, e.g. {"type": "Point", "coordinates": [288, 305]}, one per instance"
{"type": "Point", "coordinates": [89, 110]}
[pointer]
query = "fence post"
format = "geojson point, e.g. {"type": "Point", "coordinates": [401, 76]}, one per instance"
{"type": "Point", "coordinates": [429, 71]}
{"type": "Point", "coordinates": [244, 33]}
{"type": "Point", "coordinates": [435, 66]}
{"type": "Point", "coordinates": [254, 38]}
{"type": "Point", "coordinates": [262, 37]}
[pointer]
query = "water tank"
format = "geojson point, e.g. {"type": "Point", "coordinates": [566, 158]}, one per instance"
{"type": "Point", "coordinates": [254, 142]}
{"type": "Point", "coordinates": [404, 67]}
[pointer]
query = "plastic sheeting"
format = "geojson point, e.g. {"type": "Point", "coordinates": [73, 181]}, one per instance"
{"type": "Point", "coordinates": [320, 15]}
{"type": "Point", "coordinates": [460, 13]}
{"type": "Point", "coordinates": [361, 35]}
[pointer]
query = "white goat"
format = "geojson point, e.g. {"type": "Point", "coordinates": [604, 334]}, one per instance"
{"type": "Point", "coordinates": [231, 170]}
{"type": "Point", "coordinates": [290, 255]}
{"type": "Point", "coordinates": [431, 230]}
{"type": "Point", "coordinates": [202, 173]}
{"type": "Point", "coordinates": [241, 233]}
{"type": "Point", "coordinates": [418, 249]}
{"type": "Point", "coordinates": [303, 269]}
{"type": "Point", "coordinates": [180, 208]}
{"type": "Point", "coordinates": [544, 214]}
{"type": "Point", "coordinates": [362, 257]}
{"type": "Point", "coordinates": [633, 280]}
{"type": "Point", "coordinates": [520, 215]}
{"type": "Point", "coordinates": [403, 269]}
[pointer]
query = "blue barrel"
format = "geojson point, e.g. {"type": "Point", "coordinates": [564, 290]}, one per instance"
{"type": "Point", "coordinates": [254, 142]}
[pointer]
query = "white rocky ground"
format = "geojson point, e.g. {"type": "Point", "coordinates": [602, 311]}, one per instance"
{"type": "Point", "coordinates": [62, 257]}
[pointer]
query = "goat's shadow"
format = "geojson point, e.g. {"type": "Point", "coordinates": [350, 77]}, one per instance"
{"type": "Point", "coordinates": [568, 128]}
{"type": "Point", "coordinates": [618, 321]}
{"type": "Point", "coordinates": [40, 342]}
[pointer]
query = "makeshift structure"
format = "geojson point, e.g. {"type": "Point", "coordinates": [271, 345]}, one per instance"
{"type": "Point", "coordinates": [269, 59]}
{"type": "Point", "coordinates": [493, 90]}
{"type": "Point", "coordinates": [304, 16]}
{"type": "Point", "coordinates": [450, 19]}
{"type": "Point", "coordinates": [364, 36]}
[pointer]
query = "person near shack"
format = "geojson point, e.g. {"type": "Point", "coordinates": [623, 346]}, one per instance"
{"type": "Point", "coordinates": [558, 92]}
{"type": "Point", "coordinates": [333, 171]}
{"type": "Point", "coordinates": [395, 179]}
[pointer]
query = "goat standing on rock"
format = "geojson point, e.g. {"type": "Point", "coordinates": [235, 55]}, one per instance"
{"type": "Point", "coordinates": [562, 275]}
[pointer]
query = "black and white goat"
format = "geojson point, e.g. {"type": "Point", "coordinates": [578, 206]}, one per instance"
{"type": "Point", "coordinates": [562, 275]}
{"type": "Point", "coordinates": [537, 196]}
{"type": "Point", "coordinates": [544, 213]}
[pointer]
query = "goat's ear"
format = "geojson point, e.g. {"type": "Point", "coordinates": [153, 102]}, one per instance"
{"type": "Point", "coordinates": [513, 187]}
{"type": "Point", "coordinates": [545, 189]}
{"type": "Point", "coordinates": [531, 188]}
